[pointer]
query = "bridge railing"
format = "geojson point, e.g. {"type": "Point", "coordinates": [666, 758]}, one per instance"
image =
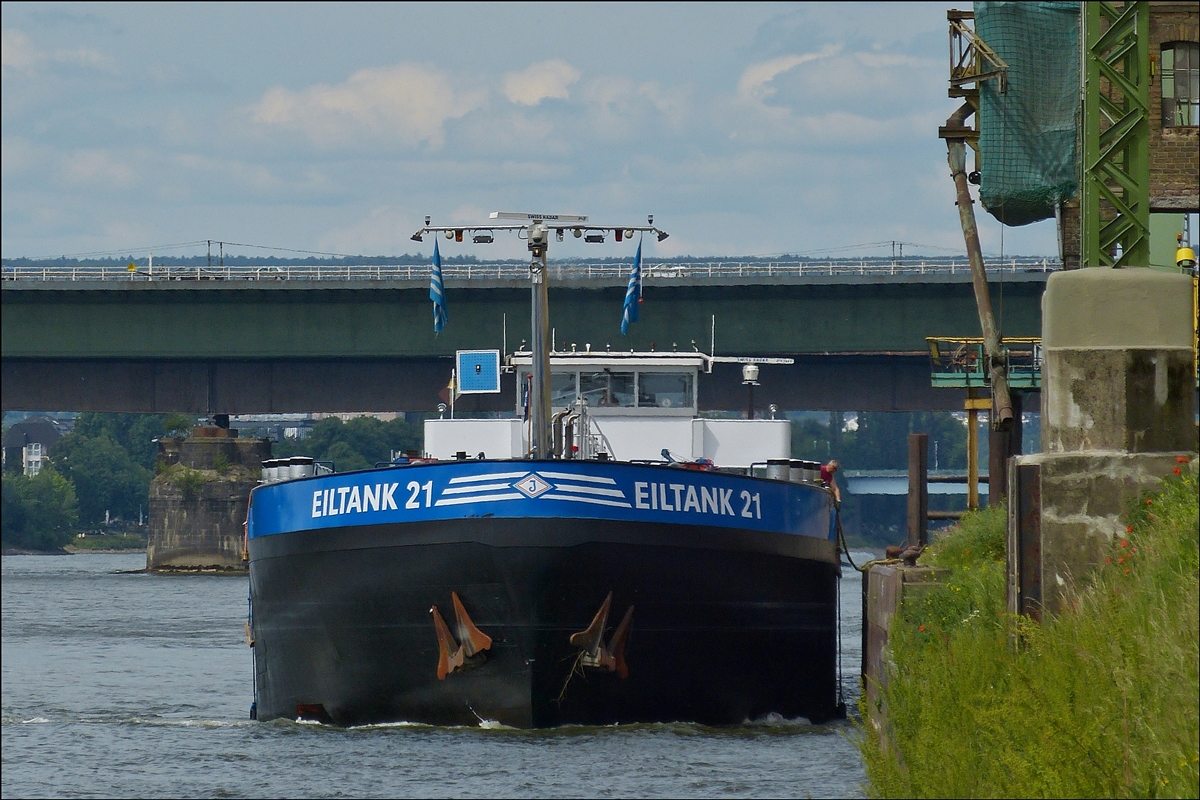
{"type": "Point", "coordinates": [514, 271]}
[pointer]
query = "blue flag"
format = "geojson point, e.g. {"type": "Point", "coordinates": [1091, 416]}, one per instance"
{"type": "Point", "coordinates": [436, 293]}
{"type": "Point", "coordinates": [633, 293]}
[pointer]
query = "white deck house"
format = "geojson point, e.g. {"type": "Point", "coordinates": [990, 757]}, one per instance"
{"type": "Point", "coordinates": [627, 406]}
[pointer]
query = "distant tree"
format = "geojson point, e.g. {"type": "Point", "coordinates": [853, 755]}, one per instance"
{"type": "Point", "coordinates": [356, 444]}
{"type": "Point", "coordinates": [136, 433]}
{"type": "Point", "coordinates": [812, 440]}
{"type": "Point", "coordinates": [344, 457]}
{"type": "Point", "coordinates": [881, 440]}
{"type": "Point", "coordinates": [105, 476]}
{"type": "Point", "coordinates": [39, 512]}
{"type": "Point", "coordinates": [178, 425]}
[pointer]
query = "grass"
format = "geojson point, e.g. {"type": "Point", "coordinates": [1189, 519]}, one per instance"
{"type": "Point", "coordinates": [1101, 701]}
{"type": "Point", "coordinates": [113, 541]}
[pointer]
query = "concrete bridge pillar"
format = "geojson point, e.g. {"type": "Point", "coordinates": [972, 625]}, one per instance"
{"type": "Point", "coordinates": [1118, 399]}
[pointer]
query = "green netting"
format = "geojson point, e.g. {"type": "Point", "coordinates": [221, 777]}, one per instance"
{"type": "Point", "coordinates": [1027, 136]}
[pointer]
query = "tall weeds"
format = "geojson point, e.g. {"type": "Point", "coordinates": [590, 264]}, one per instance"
{"type": "Point", "coordinates": [1102, 700]}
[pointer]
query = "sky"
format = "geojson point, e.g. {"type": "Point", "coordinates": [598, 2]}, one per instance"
{"type": "Point", "coordinates": [746, 129]}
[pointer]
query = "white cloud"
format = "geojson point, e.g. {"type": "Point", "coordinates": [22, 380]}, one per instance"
{"type": "Point", "coordinates": [755, 80]}
{"type": "Point", "coordinates": [95, 167]}
{"type": "Point", "coordinates": [407, 103]}
{"type": "Point", "coordinates": [18, 54]}
{"type": "Point", "coordinates": [232, 171]}
{"type": "Point", "coordinates": [16, 51]}
{"type": "Point", "coordinates": [18, 154]}
{"type": "Point", "coordinates": [383, 229]}
{"type": "Point", "coordinates": [541, 81]}
{"type": "Point", "coordinates": [85, 57]}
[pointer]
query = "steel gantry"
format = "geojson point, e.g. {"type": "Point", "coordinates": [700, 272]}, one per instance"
{"type": "Point", "coordinates": [1115, 197]}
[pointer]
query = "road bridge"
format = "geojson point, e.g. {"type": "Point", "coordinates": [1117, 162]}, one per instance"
{"type": "Point", "coordinates": [255, 340]}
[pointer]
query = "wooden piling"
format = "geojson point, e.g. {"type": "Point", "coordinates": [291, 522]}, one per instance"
{"type": "Point", "coordinates": [918, 489]}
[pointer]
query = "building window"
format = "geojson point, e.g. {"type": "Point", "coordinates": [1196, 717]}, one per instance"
{"type": "Point", "coordinates": [1180, 84]}
{"type": "Point", "coordinates": [32, 458]}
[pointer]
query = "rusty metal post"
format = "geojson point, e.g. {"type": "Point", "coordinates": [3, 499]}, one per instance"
{"type": "Point", "coordinates": [1002, 412]}
{"type": "Point", "coordinates": [918, 489]}
{"type": "Point", "coordinates": [972, 454]}
{"type": "Point", "coordinates": [1024, 553]}
{"type": "Point", "coordinates": [1003, 444]}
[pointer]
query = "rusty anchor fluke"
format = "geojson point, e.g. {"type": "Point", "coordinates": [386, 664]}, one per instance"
{"type": "Point", "coordinates": [591, 641]}
{"type": "Point", "coordinates": [465, 651]}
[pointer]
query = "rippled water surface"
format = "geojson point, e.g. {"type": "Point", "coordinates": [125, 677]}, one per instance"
{"type": "Point", "coordinates": [140, 685]}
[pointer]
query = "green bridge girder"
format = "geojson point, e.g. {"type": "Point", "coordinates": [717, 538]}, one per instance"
{"type": "Point", "coordinates": [393, 319]}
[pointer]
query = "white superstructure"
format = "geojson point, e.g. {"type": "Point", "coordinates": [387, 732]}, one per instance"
{"type": "Point", "coordinates": [622, 406]}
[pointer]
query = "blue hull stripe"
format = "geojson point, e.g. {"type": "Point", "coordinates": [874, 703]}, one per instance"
{"type": "Point", "coordinates": [455, 490]}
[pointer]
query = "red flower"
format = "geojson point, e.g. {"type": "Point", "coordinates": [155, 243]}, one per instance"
{"type": "Point", "coordinates": [1121, 560]}
{"type": "Point", "coordinates": [1108, 560]}
{"type": "Point", "coordinates": [1124, 543]}
{"type": "Point", "coordinates": [1149, 501]}
{"type": "Point", "coordinates": [1181, 459]}
{"type": "Point", "coordinates": [1177, 471]}
{"type": "Point", "coordinates": [1129, 529]}
{"type": "Point", "coordinates": [921, 628]}
{"type": "Point", "coordinates": [1127, 570]}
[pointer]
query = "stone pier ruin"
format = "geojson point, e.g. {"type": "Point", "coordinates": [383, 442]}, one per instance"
{"type": "Point", "coordinates": [198, 500]}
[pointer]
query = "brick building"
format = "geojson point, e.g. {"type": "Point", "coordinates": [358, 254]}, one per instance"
{"type": "Point", "coordinates": [1174, 127]}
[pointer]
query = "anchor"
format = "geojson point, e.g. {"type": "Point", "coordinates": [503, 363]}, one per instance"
{"type": "Point", "coordinates": [465, 652]}
{"type": "Point", "coordinates": [591, 641]}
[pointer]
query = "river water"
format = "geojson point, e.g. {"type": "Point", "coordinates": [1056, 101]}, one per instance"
{"type": "Point", "coordinates": [121, 685]}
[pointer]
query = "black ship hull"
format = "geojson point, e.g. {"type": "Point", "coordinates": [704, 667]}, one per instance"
{"type": "Point", "coordinates": [728, 625]}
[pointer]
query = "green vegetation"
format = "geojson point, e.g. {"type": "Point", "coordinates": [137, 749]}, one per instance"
{"type": "Point", "coordinates": [39, 513]}
{"type": "Point", "coordinates": [112, 541]}
{"type": "Point", "coordinates": [1099, 701]}
{"type": "Point", "coordinates": [102, 469]}
{"type": "Point", "coordinates": [189, 481]}
{"type": "Point", "coordinates": [356, 444]}
{"type": "Point", "coordinates": [105, 474]}
{"type": "Point", "coordinates": [178, 425]}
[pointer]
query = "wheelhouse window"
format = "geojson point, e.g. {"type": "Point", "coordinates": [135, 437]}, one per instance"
{"type": "Point", "coordinates": [1180, 84]}
{"type": "Point", "coordinates": [664, 390]}
{"type": "Point", "coordinates": [607, 389]}
{"type": "Point", "coordinates": [562, 389]}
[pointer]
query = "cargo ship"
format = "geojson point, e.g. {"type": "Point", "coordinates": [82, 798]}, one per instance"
{"type": "Point", "coordinates": [605, 555]}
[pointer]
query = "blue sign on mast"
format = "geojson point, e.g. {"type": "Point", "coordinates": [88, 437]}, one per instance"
{"type": "Point", "coordinates": [478, 371]}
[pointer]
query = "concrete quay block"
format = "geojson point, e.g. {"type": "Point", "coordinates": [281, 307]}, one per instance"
{"type": "Point", "coordinates": [1083, 496]}
{"type": "Point", "coordinates": [1139, 400]}
{"type": "Point", "coordinates": [1117, 370]}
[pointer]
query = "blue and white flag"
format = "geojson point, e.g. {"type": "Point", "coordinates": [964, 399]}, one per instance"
{"type": "Point", "coordinates": [633, 293]}
{"type": "Point", "coordinates": [437, 293]}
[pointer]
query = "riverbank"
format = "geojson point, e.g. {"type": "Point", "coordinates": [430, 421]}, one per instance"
{"type": "Point", "coordinates": [1101, 700]}
{"type": "Point", "coordinates": [109, 543]}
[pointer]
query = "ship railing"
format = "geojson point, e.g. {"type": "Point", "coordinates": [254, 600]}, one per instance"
{"type": "Point", "coordinates": [512, 270]}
